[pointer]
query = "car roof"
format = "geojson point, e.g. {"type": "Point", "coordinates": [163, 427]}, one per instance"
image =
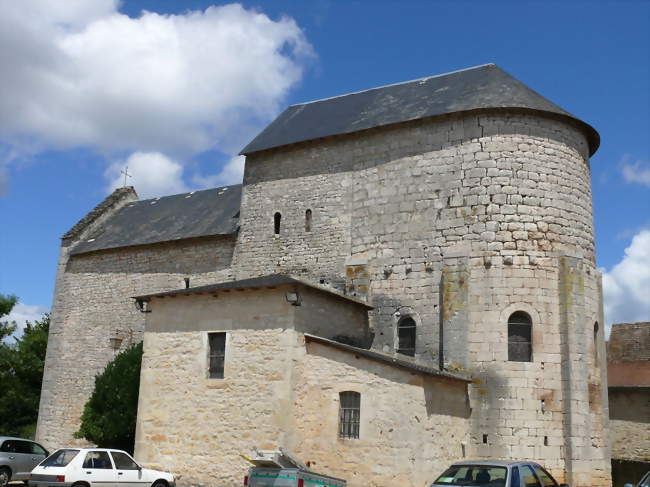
{"type": "Point", "coordinates": [3, 438]}
{"type": "Point", "coordinates": [496, 463]}
{"type": "Point", "coordinates": [90, 448]}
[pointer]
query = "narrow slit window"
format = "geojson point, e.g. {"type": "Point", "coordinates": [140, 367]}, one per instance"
{"type": "Point", "coordinates": [277, 218]}
{"type": "Point", "coordinates": [520, 345]}
{"type": "Point", "coordinates": [217, 355]}
{"type": "Point", "coordinates": [349, 414]}
{"type": "Point", "coordinates": [406, 336]}
{"type": "Point", "coordinates": [596, 327]}
{"type": "Point", "coordinates": [308, 221]}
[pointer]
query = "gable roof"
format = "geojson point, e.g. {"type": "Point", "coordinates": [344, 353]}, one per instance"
{"type": "Point", "coordinates": [271, 280]}
{"type": "Point", "coordinates": [477, 88]}
{"type": "Point", "coordinates": [189, 215]}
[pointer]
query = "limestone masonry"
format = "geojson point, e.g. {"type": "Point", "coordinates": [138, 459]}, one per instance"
{"type": "Point", "coordinates": [426, 248]}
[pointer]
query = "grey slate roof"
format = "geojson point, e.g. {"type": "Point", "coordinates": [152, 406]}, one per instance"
{"type": "Point", "coordinates": [188, 215]}
{"type": "Point", "coordinates": [271, 280]}
{"type": "Point", "coordinates": [478, 88]}
{"type": "Point", "coordinates": [404, 363]}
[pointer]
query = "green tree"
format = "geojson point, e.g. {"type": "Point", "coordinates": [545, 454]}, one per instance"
{"type": "Point", "coordinates": [7, 303]}
{"type": "Point", "coordinates": [109, 416]}
{"type": "Point", "coordinates": [21, 372]}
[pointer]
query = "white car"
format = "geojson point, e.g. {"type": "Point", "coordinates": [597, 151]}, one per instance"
{"type": "Point", "coordinates": [94, 467]}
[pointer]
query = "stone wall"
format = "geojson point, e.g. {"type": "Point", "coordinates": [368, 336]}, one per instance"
{"type": "Point", "coordinates": [629, 411]}
{"type": "Point", "coordinates": [412, 426]}
{"type": "Point", "coordinates": [93, 303]}
{"type": "Point", "coordinates": [279, 391]}
{"type": "Point", "coordinates": [629, 342]}
{"type": "Point", "coordinates": [405, 197]}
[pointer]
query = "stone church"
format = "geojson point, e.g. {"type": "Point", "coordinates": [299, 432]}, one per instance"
{"type": "Point", "coordinates": [405, 278]}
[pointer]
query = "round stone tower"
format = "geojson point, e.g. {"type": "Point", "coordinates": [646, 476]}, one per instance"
{"type": "Point", "coordinates": [460, 206]}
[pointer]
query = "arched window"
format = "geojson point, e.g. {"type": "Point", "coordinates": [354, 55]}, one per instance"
{"type": "Point", "coordinates": [406, 336]}
{"type": "Point", "coordinates": [277, 218]}
{"type": "Point", "coordinates": [520, 344]}
{"type": "Point", "coordinates": [349, 414]}
{"type": "Point", "coordinates": [308, 221]}
{"type": "Point", "coordinates": [596, 327]}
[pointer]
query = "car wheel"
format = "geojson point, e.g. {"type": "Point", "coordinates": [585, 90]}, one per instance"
{"type": "Point", "coordinates": [159, 483]}
{"type": "Point", "coordinates": [5, 476]}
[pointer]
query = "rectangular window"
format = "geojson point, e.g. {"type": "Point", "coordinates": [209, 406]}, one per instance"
{"type": "Point", "coordinates": [217, 355]}
{"type": "Point", "coordinates": [349, 414]}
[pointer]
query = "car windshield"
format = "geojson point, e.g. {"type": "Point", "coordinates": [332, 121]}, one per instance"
{"type": "Point", "coordinates": [474, 476]}
{"type": "Point", "coordinates": [59, 458]}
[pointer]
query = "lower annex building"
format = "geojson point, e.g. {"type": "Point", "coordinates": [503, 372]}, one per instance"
{"type": "Point", "coordinates": [405, 278]}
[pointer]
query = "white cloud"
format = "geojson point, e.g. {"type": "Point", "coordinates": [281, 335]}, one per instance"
{"type": "Point", "coordinates": [152, 174]}
{"type": "Point", "coordinates": [626, 287]}
{"type": "Point", "coordinates": [21, 313]}
{"type": "Point", "coordinates": [231, 173]}
{"type": "Point", "coordinates": [80, 73]}
{"type": "Point", "coordinates": [635, 172]}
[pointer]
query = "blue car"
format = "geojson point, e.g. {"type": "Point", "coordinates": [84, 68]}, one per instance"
{"type": "Point", "coordinates": [496, 473]}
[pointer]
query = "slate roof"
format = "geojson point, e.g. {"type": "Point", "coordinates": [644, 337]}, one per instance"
{"type": "Point", "coordinates": [390, 359]}
{"type": "Point", "coordinates": [271, 280]}
{"type": "Point", "coordinates": [477, 88]}
{"type": "Point", "coordinates": [188, 215]}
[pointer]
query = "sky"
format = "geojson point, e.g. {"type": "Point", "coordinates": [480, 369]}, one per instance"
{"type": "Point", "coordinates": [174, 89]}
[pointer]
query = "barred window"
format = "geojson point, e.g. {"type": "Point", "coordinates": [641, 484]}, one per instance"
{"type": "Point", "coordinates": [406, 336]}
{"type": "Point", "coordinates": [520, 346]}
{"type": "Point", "coordinates": [349, 415]}
{"type": "Point", "coordinates": [217, 354]}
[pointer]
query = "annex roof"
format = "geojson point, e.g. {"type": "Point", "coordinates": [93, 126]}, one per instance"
{"type": "Point", "coordinates": [269, 281]}
{"type": "Point", "coordinates": [189, 215]}
{"type": "Point", "coordinates": [477, 88]}
{"type": "Point", "coordinates": [390, 359]}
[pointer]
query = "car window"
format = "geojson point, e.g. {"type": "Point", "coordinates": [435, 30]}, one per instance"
{"type": "Point", "coordinates": [123, 461]}
{"type": "Point", "coordinates": [97, 459]}
{"type": "Point", "coordinates": [545, 477]}
{"type": "Point", "coordinates": [473, 476]}
{"type": "Point", "coordinates": [37, 449]}
{"type": "Point", "coordinates": [8, 446]}
{"type": "Point", "coordinates": [646, 481]}
{"type": "Point", "coordinates": [528, 478]}
{"type": "Point", "coordinates": [23, 447]}
{"type": "Point", "coordinates": [59, 458]}
{"type": "Point", "coordinates": [514, 481]}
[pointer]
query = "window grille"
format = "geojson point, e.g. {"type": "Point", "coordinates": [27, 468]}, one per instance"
{"type": "Point", "coordinates": [217, 355]}
{"type": "Point", "coordinates": [406, 336]}
{"type": "Point", "coordinates": [349, 415]}
{"type": "Point", "coordinates": [520, 345]}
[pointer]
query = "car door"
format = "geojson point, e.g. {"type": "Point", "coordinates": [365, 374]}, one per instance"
{"type": "Point", "coordinates": [97, 469]}
{"type": "Point", "coordinates": [22, 452]}
{"type": "Point", "coordinates": [37, 454]}
{"type": "Point", "coordinates": [129, 473]}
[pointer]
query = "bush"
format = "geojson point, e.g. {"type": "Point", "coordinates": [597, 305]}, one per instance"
{"type": "Point", "coordinates": [109, 416]}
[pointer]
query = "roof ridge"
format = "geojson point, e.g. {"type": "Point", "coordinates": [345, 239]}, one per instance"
{"type": "Point", "coordinates": [394, 84]}
{"type": "Point", "coordinates": [185, 194]}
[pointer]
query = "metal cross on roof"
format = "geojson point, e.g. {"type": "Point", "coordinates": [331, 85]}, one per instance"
{"type": "Point", "coordinates": [126, 174]}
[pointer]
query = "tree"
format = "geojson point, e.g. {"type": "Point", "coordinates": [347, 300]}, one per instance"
{"type": "Point", "coordinates": [7, 303]}
{"type": "Point", "coordinates": [109, 416]}
{"type": "Point", "coordinates": [21, 373]}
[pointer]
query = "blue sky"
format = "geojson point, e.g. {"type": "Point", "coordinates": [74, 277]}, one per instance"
{"type": "Point", "coordinates": [89, 87]}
